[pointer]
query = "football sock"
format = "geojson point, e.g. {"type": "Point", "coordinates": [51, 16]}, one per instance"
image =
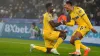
{"type": "Point", "coordinates": [83, 46]}
{"type": "Point", "coordinates": [77, 45]}
{"type": "Point", "coordinates": [40, 48]}
{"type": "Point", "coordinates": [59, 41]}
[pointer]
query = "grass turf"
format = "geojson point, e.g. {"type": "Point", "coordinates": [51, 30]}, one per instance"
{"type": "Point", "coordinates": [19, 47]}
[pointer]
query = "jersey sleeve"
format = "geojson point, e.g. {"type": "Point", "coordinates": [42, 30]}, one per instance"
{"type": "Point", "coordinates": [71, 23]}
{"type": "Point", "coordinates": [84, 16]}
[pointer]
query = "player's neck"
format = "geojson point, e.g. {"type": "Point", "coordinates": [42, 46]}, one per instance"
{"type": "Point", "coordinates": [49, 12]}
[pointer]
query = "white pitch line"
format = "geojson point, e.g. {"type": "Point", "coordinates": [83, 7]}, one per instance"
{"type": "Point", "coordinates": [14, 42]}
{"type": "Point", "coordinates": [37, 44]}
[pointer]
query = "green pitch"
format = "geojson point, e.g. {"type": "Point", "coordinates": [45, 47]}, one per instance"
{"type": "Point", "coordinates": [19, 47]}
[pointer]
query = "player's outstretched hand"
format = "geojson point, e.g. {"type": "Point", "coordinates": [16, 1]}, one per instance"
{"type": "Point", "coordinates": [63, 31]}
{"type": "Point", "coordinates": [93, 30]}
{"type": "Point", "coordinates": [64, 22]}
{"type": "Point", "coordinates": [66, 31]}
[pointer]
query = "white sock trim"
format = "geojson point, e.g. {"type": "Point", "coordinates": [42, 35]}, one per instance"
{"type": "Point", "coordinates": [77, 50]}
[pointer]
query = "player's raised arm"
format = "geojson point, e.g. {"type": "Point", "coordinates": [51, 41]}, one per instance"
{"type": "Point", "coordinates": [71, 23]}
{"type": "Point", "coordinates": [54, 24]}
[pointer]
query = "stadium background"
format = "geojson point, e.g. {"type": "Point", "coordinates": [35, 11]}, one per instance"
{"type": "Point", "coordinates": [33, 9]}
{"type": "Point", "coordinates": [17, 16]}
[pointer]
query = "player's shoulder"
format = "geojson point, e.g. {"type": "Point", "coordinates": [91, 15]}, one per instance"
{"type": "Point", "coordinates": [78, 9]}
{"type": "Point", "coordinates": [45, 14]}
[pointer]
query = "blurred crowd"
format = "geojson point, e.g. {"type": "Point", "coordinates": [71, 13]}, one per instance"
{"type": "Point", "coordinates": [31, 9]}
{"type": "Point", "coordinates": [34, 9]}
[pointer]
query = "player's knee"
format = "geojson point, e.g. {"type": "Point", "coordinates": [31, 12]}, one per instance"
{"type": "Point", "coordinates": [48, 50]}
{"type": "Point", "coordinates": [74, 39]}
{"type": "Point", "coordinates": [63, 36]}
{"type": "Point", "coordinates": [72, 42]}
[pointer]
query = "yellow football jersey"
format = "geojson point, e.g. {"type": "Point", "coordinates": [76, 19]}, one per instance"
{"type": "Point", "coordinates": [46, 26]}
{"type": "Point", "coordinates": [79, 17]}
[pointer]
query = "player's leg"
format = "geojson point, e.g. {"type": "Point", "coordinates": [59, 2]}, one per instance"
{"type": "Point", "coordinates": [75, 39]}
{"type": "Point", "coordinates": [56, 35]}
{"type": "Point", "coordinates": [49, 43]}
{"type": "Point", "coordinates": [81, 45]}
{"type": "Point", "coordinates": [61, 38]}
{"type": "Point", "coordinates": [78, 36]}
{"type": "Point", "coordinates": [32, 46]}
{"type": "Point", "coordinates": [43, 49]}
{"type": "Point", "coordinates": [87, 49]}
{"type": "Point", "coordinates": [48, 46]}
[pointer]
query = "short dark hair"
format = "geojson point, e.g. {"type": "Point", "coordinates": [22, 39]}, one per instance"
{"type": "Point", "coordinates": [69, 2]}
{"type": "Point", "coordinates": [48, 5]}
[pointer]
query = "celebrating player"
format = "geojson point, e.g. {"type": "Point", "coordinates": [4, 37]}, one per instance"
{"type": "Point", "coordinates": [79, 17]}
{"type": "Point", "coordinates": [50, 33]}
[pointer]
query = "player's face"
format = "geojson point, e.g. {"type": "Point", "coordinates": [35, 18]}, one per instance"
{"type": "Point", "coordinates": [67, 7]}
{"type": "Point", "coordinates": [51, 9]}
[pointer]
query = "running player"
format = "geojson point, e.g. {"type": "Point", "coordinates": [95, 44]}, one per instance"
{"type": "Point", "coordinates": [79, 17]}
